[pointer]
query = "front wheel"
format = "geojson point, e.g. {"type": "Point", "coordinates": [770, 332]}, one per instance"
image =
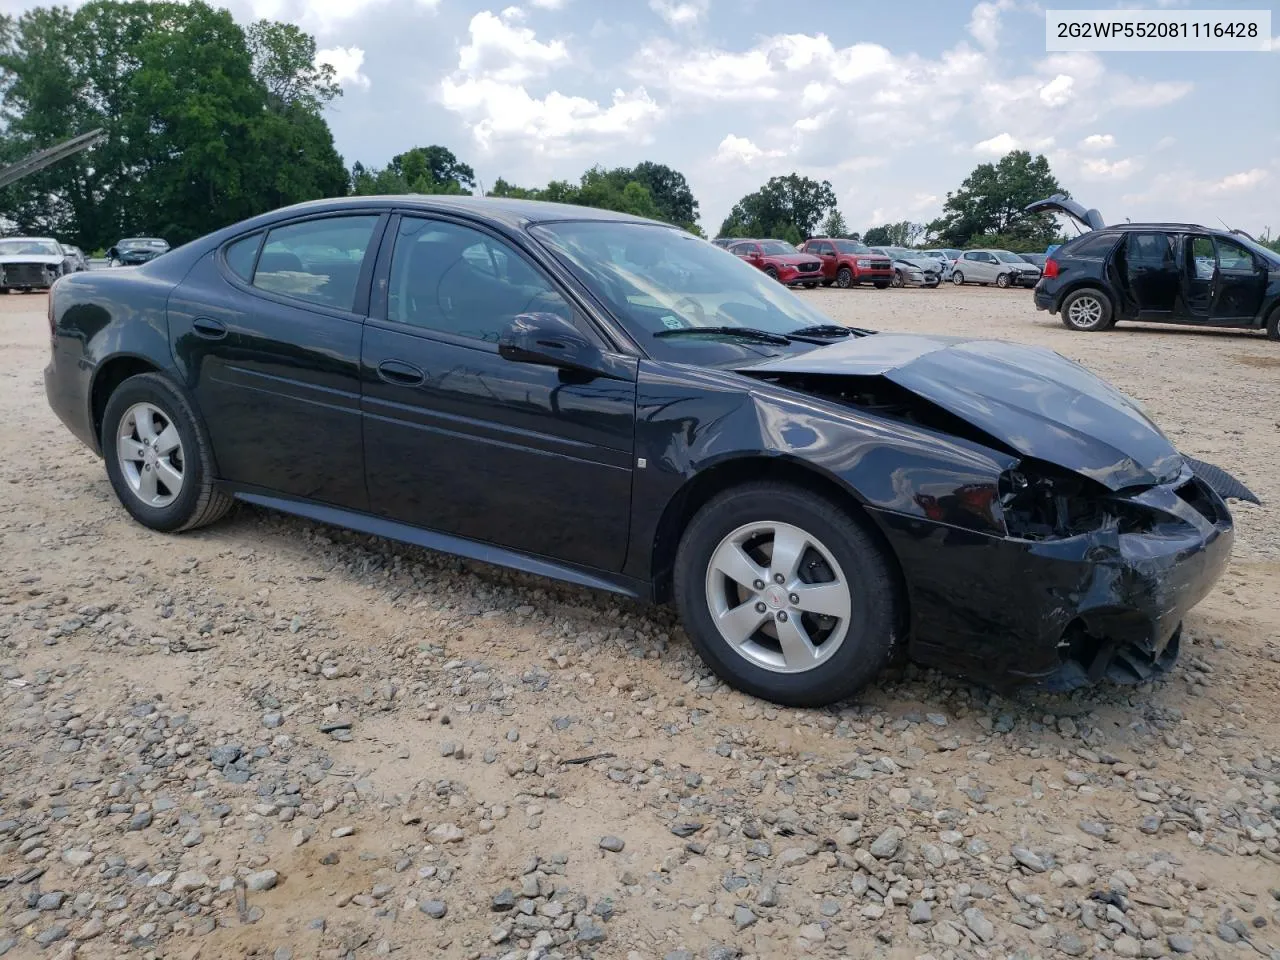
{"type": "Point", "coordinates": [897, 278]}
{"type": "Point", "coordinates": [1273, 325]}
{"type": "Point", "coordinates": [1002, 281]}
{"type": "Point", "coordinates": [158, 457]}
{"type": "Point", "coordinates": [771, 273]}
{"type": "Point", "coordinates": [785, 595]}
{"type": "Point", "coordinates": [1087, 311]}
{"type": "Point", "coordinates": [957, 278]}
{"type": "Point", "coordinates": [844, 278]}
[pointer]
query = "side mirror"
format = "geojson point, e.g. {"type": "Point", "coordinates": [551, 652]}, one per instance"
{"type": "Point", "coordinates": [549, 340]}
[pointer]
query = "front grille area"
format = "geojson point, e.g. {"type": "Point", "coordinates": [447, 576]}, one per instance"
{"type": "Point", "coordinates": [879, 264]}
{"type": "Point", "coordinates": [809, 267]}
{"type": "Point", "coordinates": [1194, 494]}
{"type": "Point", "coordinates": [25, 275]}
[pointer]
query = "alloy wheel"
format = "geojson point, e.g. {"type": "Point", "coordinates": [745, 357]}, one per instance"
{"type": "Point", "coordinates": [897, 279]}
{"type": "Point", "coordinates": [150, 454]}
{"type": "Point", "coordinates": [1085, 312]}
{"type": "Point", "coordinates": [957, 278]}
{"type": "Point", "coordinates": [1002, 281]}
{"type": "Point", "coordinates": [778, 597]}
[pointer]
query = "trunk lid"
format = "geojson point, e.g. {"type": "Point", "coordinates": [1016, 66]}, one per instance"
{"type": "Point", "coordinates": [1060, 203]}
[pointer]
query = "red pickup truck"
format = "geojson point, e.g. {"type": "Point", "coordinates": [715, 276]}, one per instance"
{"type": "Point", "coordinates": [781, 261]}
{"type": "Point", "coordinates": [847, 263]}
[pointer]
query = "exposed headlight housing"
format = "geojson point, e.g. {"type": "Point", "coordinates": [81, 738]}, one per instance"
{"type": "Point", "coordinates": [1043, 502]}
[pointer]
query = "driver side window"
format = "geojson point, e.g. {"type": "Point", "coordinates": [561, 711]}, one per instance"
{"type": "Point", "coordinates": [456, 280]}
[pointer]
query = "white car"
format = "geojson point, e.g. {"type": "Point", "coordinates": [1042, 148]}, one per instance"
{"type": "Point", "coordinates": [1000, 267]}
{"type": "Point", "coordinates": [32, 263]}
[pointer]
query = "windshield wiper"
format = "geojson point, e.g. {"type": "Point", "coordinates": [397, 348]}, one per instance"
{"type": "Point", "coordinates": [746, 333]}
{"type": "Point", "coordinates": [821, 330]}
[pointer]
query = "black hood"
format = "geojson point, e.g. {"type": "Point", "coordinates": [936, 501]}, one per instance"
{"type": "Point", "coordinates": [1035, 401]}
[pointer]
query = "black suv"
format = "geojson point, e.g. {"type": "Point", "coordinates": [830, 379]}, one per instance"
{"type": "Point", "coordinates": [1158, 272]}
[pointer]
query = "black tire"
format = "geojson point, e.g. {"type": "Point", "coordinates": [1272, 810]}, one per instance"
{"type": "Point", "coordinates": [199, 502]}
{"type": "Point", "coordinates": [957, 278]}
{"type": "Point", "coordinates": [873, 629]}
{"type": "Point", "coordinates": [882, 284]}
{"type": "Point", "coordinates": [844, 278]}
{"type": "Point", "coordinates": [1273, 325]}
{"type": "Point", "coordinates": [1002, 281]}
{"type": "Point", "coordinates": [1087, 310]}
{"type": "Point", "coordinates": [897, 279]}
{"type": "Point", "coordinates": [771, 273]}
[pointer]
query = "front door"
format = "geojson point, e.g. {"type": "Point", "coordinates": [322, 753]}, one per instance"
{"type": "Point", "coordinates": [825, 252]}
{"type": "Point", "coordinates": [1151, 274]}
{"type": "Point", "coordinates": [1242, 283]}
{"type": "Point", "coordinates": [460, 440]}
{"type": "Point", "coordinates": [1199, 274]}
{"type": "Point", "coordinates": [267, 331]}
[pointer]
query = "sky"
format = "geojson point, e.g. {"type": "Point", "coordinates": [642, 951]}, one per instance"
{"type": "Point", "coordinates": [893, 102]}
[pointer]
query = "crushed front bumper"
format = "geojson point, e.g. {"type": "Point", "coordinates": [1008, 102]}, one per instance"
{"type": "Point", "coordinates": [1062, 613]}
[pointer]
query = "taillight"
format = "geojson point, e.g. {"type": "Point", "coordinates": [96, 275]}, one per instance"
{"type": "Point", "coordinates": [1050, 268]}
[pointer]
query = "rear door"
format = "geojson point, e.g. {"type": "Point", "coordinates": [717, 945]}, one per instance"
{"type": "Point", "coordinates": [462, 441]}
{"type": "Point", "coordinates": [1151, 274]}
{"type": "Point", "coordinates": [267, 330]}
{"type": "Point", "coordinates": [1241, 283]}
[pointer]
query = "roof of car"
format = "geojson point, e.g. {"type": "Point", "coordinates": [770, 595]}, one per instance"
{"type": "Point", "coordinates": [507, 210]}
{"type": "Point", "coordinates": [1164, 226]}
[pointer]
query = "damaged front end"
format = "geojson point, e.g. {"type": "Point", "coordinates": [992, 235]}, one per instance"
{"type": "Point", "coordinates": [1080, 556]}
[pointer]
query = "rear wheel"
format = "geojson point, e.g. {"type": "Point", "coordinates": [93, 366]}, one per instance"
{"type": "Point", "coordinates": [1087, 311]}
{"type": "Point", "coordinates": [957, 278]}
{"type": "Point", "coordinates": [785, 595]}
{"type": "Point", "coordinates": [844, 278]}
{"type": "Point", "coordinates": [1273, 325]}
{"type": "Point", "coordinates": [158, 456]}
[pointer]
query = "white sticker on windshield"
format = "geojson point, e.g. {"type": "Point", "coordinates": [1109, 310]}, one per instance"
{"type": "Point", "coordinates": [672, 323]}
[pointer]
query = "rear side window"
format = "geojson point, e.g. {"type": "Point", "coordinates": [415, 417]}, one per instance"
{"type": "Point", "coordinates": [1150, 248]}
{"type": "Point", "coordinates": [1093, 245]}
{"type": "Point", "coordinates": [317, 261]}
{"type": "Point", "coordinates": [241, 254]}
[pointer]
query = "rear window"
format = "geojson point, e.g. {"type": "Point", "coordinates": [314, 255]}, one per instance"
{"type": "Point", "coordinates": [1090, 245]}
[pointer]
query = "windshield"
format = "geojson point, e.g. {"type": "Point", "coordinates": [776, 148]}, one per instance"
{"type": "Point", "coordinates": [851, 246]}
{"type": "Point", "coordinates": [142, 244]}
{"type": "Point", "coordinates": [1004, 256]}
{"type": "Point", "coordinates": [901, 253]}
{"type": "Point", "coordinates": [776, 248]}
{"type": "Point", "coordinates": [33, 248]}
{"type": "Point", "coordinates": [656, 280]}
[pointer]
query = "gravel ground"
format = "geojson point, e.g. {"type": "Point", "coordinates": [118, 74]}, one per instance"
{"type": "Point", "coordinates": [275, 739]}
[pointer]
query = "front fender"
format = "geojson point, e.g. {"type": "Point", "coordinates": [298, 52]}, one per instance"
{"type": "Point", "coordinates": [697, 420]}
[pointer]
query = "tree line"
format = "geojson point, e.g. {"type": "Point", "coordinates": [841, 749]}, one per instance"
{"type": "Point", "coordinates": [208, 122]}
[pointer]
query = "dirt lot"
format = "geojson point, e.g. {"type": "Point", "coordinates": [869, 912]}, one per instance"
{"type": "Point", "coordinates": [274, 739]}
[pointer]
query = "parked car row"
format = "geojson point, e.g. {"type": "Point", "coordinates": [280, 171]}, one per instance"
{"type": "Point", "coordinates": [33, 263]}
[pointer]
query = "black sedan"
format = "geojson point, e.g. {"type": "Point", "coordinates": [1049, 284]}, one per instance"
{"type": "Point", "coordinates": [135, 251]}
{"type": "Point", "coordinates": [1158, 273]}
{"type": "Point", "coordinates": [613, 402]}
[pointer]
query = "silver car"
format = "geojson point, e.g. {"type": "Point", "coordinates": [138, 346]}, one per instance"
{"type": "Point", "coordinates": [911, 268]}
{"type": "Point", "coordinates": [1000, 267]}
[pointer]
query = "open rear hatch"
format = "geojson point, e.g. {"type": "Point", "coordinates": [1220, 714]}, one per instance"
{"type": "Point", "coordinates": [1061, 203]}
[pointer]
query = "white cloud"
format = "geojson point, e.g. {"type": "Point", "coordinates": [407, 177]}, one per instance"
{"type": "Point", "coordinates": [1098, 169]}
{"type": "Point", "coordinates": [505, 52]}
{"type": "Point", "coordinates": [735, 149]}
{"type": "Point", "coordinates": [1098, 141]}
{"type": "Point", "coordinates": [1164, 143]}
{"type": "Point", "coordinates": [346, 63]}
{"type": "Point", "coordinates": [1058, 91]}
{"type": "Point", "coordinates": [1241, 181]}
{"type": "Point", "coordinates": [549, 4]}
{"type": "Point", "coordinates": [680, 13]}
{"type": "Point", "coordinates": [1002, 143]}
{"type": "Point", "coordinates": [984, 22]}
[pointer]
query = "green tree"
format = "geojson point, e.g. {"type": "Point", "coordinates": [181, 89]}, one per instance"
{"type": "Point", "coordinates": [194, 139]}
{"type": "Point", "coordinates": [791, 201]}
{"type": "Point", "coordinates": [284, 61]}
{"type": "Point", "coordinates": [432, 170]}
{"type": "Point", "coordinates": [992, 198]}
{"type": "Point", "coordinates": [834, 225]}
{"type": "Point", "coordinates": [670, 191]}
{"type": "Point", "coordinates": [904, 233]}
{"type": "Point", "coordinates": [646, 190]}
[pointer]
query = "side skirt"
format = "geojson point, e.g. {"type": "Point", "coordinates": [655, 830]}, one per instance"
{"type": "Point", "coordinates": [447, 543]}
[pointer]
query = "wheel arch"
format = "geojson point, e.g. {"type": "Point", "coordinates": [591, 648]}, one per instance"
{"type": "Point", "coordinates": [1084, 283]}
{"type": "Point", "coordinates": [737, 471]}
